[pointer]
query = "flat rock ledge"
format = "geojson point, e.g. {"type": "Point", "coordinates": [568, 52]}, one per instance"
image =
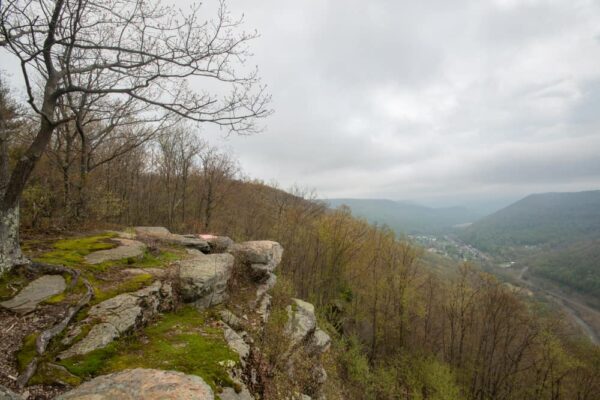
{"type": "Point", "coordinates": [127, 249]}
{"type": "Point", "coordinates": [142, 384]}
{"type": "Point", "coordinates": [117, 316]}
{"type": "Point", "coordinates": [33, 294]}
{"type": "Point", "coordinates": [162, 234]}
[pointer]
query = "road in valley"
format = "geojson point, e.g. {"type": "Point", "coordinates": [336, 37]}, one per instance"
{"type": "Point", "coordinates": [571, 307]}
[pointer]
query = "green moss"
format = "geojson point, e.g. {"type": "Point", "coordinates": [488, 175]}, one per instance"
{"type": "Point", "coordinates": [160, 260]}
{"type": "Point", "coordinates": [27, 352]}
{"type": "Point", "coordinates": [86, 245]}
{"type": "Point", "coordinates": [57, 298]}
{"type": "Point", "coordinates": [11, 283]}
{"type": "Point", "coordinates": [71, 252]}
{"type": "Point", "coordinates": [48, 374]}
{"type": "Point", "coordinates": [136, 282]}
{"type": "Point", "coordinates": [181, 341]}
{"type": "Point", "coordinates": [90, 364]}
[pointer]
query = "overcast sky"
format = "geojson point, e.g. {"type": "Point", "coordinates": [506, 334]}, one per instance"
{"type": "Point", "coordinates": [436, 101]}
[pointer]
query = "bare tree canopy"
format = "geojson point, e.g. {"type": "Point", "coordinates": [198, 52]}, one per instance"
{"type": "Point", "coordinates": [129, 52]}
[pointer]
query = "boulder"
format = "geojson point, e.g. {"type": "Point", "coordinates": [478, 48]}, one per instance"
{"type": "Point", "coordinates": [142, 384]}
{"type": "Point", "coordinates": [218, 244]}
{"type": "Point", "coordinates": [302, 321]}
{"type": "Point", "coordinates": [118, 315]}
{"type": "Point", "coordinates": [262, 256]}
{"type": "Point", "coordinates": [33, 294]}
{"type": "Point", "coordinates": [162, 234]}
{"type": "Point", "coordinates": [127, 249]}
{"type": "Point", "coordinates": [7, 394]}
{"type": "Point", "coordinates": [203, 280]}
{"type": "Point", "coordinates": [319, 342]}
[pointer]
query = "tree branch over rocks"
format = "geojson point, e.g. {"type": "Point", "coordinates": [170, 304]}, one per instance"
{"type": "Point", "coordinates": [126, 62]}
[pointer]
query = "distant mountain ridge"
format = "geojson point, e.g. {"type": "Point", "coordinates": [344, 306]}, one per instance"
{"type": "Point", "coordinates": [407, 218]}
{"type": "Point", "coordinates": [556, 234]}
{"type": "Point", "coordinates": [538, 219]}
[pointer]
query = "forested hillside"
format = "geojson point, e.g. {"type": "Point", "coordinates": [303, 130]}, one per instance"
{"type": "Point", "coordinates": [556, 234]}
{"type": "Point", "coordinates": [407, 218]}
{"type": "Point", "coordinates": [539, 219]}
{"type": "Point", "coordinates": [576, 265]}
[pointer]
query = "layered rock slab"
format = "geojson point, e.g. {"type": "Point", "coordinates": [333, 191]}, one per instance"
{"type": "Point", "coordinates": [164, 235]}
{"type": "Point", "coordinates": [116, 316]}
{"type": "Point", "coordinates": [142, 384]}
{"type": "Point", "coordinates": [33, 294]}
{"type": "Point", "coordinates": [127, 249]}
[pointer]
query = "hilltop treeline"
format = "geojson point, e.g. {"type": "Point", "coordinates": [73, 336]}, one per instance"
{"type": "Point", "coordinates": [402, 330]}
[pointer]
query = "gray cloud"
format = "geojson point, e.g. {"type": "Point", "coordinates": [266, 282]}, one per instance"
{"type": "Point", "coordinates": [436, 101]}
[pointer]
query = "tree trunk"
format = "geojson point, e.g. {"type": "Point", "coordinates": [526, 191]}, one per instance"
{"type": "Point", "coordinates": [10, 255]}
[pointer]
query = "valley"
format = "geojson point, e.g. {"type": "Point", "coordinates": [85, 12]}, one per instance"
{"type": "Point", "coordinates": [547, 244]}
{"type": "Point", "coordinates": [577, 307]}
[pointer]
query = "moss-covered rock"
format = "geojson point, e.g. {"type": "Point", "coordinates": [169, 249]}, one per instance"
{"type": "Point", "coordinates": [187, 341]}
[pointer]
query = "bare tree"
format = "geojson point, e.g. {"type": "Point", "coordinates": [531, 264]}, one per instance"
{"type": "Point", "coordinates": [218, 172]}
{"type": "Point", "coordinates": [177, 152]}
{"type": "Point", "coordinates": [141, 52]}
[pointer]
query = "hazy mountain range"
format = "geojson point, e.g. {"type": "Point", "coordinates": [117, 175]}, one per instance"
{"type": "Point", "coordinates": [406, 217]}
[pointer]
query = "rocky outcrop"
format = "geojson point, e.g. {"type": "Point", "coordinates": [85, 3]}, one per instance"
{"type": "Point", "coordinates": [116, 316]}
{"type": "Point", "coordinates": [163, 235]}
{"type": "Point", "coordinates": [142, 384]}
{"type": "Point", "coordinates": [33, 294]}
{"type": "Point", "coordinates": [127, 249]}
{"type": "Point", "coordinates": [261, 256]}
{"type": "Point", "coordinates": [203, 279]}
{"type": "Point", "coordinates": [308, 338]}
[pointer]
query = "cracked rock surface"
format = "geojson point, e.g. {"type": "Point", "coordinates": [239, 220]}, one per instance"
{"type": "Point", "coordinates": [116, 316]}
